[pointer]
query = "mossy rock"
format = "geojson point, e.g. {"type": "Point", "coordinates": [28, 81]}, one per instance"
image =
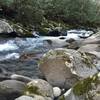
{"type": "Point", "coordinates": [58, 61]}
{"type": "Point", "coordinates": [61, 97]}
{"type": "Point", "coordinates": [39, 87]}
{"type": "Point", "coordinates": [84, 86]}
{"type": "Point", "coordinates": [31, 90]}
{"type": "Point", "coordinates": [57, 53]}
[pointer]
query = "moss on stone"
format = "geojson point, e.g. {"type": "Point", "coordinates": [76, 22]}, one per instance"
{"type": "Point", "coordinates": [54, 53]}
{"type": "Point", "coordinates": [61, 97]}
{"type": "Point", "coordinates": [31, 90]}
{"type": "Point", "coordinates": [84, 86]}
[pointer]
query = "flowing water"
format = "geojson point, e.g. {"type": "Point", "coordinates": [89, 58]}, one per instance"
{"type": "Point", "coordinates": [21, 55]}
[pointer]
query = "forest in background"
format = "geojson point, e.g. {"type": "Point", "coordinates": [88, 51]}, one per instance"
{"type": "Point", "coordinates": [45, 15]}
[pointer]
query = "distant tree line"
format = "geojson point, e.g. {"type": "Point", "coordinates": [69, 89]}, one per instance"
{"type": "Point", "coordinates": [34, 12]}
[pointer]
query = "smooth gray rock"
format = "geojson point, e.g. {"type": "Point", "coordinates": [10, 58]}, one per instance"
{"type": "Point", "coordinates": [94, 39]}
{"type": "Point", "coordinates": [11, 89]}
{"type": "Point", "coordinates": [91, 48]}
{"type": "Point", "coordinates": [5, 27]}
{"type": "Point", "coordinates": [53, 67]}
{"type": "Point", "coordinates": [20, 78]}
{"type": "Point", "coordinates": [24, 98]}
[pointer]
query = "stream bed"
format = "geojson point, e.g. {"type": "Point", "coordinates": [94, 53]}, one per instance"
{"type": "Point", "coordinates": [21, 55]}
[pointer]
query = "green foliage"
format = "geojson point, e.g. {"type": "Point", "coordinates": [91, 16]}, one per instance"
{"type": "Point", "coordinates": [73, 11]}
{"type": "Point", "coordinates": [28, 12]}
{"type": "Point", "coordinates": [56, 12]}
{"type": "Point", "coordinates": [49, 25]}
{"type": "Point", "coordinates": [6, 2]}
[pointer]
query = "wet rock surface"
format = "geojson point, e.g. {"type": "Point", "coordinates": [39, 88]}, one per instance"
{"type": "Point", "coordinates": [69, 63]}
{"type": "Point", "coordinates": [62, 70]}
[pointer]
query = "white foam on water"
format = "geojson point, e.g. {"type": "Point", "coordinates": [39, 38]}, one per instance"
{"type": "Point", "coordinates": [8, 46]}
{"type": "Point", "coordinates": [73, 36]}
{"type": "Point", "coordinates": [76, 34]}
{"type": "Point", "coordinates": [12, 56]}
{"type": "Point", "coordinates": [38, 42]}
{"type": "Point", "coordinates": [29, 42]}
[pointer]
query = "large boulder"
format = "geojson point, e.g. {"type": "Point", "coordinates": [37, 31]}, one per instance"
{"type": "Point", "coordinates": [11, 89]}
{"type": "Point", "coordinates": [87, 89]}
{"type": "Point", "coordinates": [6, 30]}
{"type": "Point", "coordinates": [5, 27]}
{"type": "Point", "coordinates": [39, 87]}
{"type": "Point", "coordinates": [91, 48]}
{"type": "Point", "coordinates": [10, 29]}
{"type": "Point", "coordinates": [92, 45]}
{"type": "Point", "coordinates": [63, 67]}
{"type": "Point", "coordinates": [94, 39]}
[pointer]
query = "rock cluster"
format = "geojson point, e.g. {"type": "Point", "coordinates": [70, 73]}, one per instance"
{"type": "Point", "coordinates": [36, 89]}
{"type": "Point", "coordinates": [68, 75]}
